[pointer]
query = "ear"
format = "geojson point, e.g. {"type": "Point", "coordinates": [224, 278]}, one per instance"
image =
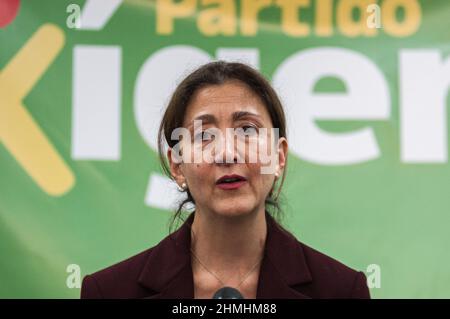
{"type": "Point", "coordinates": [282, 153]}
{"type": "Point", "coordinates": [175, 166]}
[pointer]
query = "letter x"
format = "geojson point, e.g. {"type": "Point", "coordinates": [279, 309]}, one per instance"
{"type": "Point", "coordinates": [19, 132]}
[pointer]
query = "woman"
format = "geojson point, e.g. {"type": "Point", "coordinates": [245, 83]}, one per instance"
{"type": "Point", "coordinates": [231, 239]}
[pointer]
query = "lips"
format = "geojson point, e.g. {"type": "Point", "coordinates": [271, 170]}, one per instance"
{"type": "Point", "coordinates": [229, 179]}
{"type": "Point", "coordinates": [229, 182]}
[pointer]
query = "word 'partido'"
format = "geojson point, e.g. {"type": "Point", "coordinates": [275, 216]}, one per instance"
{"type": "Point", "coordinates": [296, 18]}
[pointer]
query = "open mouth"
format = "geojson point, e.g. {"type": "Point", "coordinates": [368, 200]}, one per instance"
{"type": "Point", "coordinates": [230, 181]}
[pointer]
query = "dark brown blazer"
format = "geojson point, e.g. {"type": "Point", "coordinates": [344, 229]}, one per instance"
{"type": "Point", "coordinates": [289, 269]}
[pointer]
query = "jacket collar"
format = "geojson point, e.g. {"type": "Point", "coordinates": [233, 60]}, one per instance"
{"type": "Point", "coordinates": [168, 271]}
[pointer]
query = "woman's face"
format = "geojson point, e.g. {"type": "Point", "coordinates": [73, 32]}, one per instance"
{"type": "Point", "coordinates": [230, 105]}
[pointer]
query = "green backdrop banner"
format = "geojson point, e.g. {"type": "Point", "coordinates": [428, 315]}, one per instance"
{"type": "Point", "coordinates": [364, 83]}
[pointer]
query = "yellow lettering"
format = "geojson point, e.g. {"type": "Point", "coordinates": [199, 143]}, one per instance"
{"type": "Point", "coordinates": [290, 17]}
{"type": "Point", "coordinates": [221, 17]}
{"type": "Point", "coordinates": [411, 22]}
{"type": "Point", "coordinates": [324, 14]}
{"type": "Point", "coordinates": [220, 20]}
{"type": "Point", "coordinates": [347, 25]}
{"type": "Point", "coordinates": [168, 10]}
{"type": "Point", "coordinates": [249, 15]}
{"type": "Point", "coordinates": [19, 132]}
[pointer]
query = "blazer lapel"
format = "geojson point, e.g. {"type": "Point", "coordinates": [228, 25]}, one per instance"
{"type": "Point", "coordinates": [284, 265]}
{"type": "Point", "coordinates": [181, 287]}
{"type": "Point", "coordinates": [168, 271]}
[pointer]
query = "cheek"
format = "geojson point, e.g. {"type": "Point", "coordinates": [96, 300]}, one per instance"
{"type": "Point", "coordinates": [197, 174]}
{"type": "Point", "coordinates": [258, 150]}
{"type": "Point", "coordinates": [262, 182]}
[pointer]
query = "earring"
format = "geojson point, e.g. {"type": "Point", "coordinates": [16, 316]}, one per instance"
{"type": "Point", "coordinates": [277, 171]}
{"type": "Point", "coordinates": [183, 187]}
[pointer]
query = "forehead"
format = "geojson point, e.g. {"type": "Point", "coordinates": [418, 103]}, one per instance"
{"type": "Point", "coordinates": [225, 99]}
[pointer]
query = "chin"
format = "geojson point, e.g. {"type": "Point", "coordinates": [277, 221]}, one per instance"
{"type": "Point", "coordinates": [233, 209]}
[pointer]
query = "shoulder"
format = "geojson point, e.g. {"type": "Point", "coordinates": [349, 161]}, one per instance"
{"type": "Point", "coordinates": [331, 278]}
{"type": "Point", "coordinates": [309, 271]}
{"type": "Point", "coordinates": [120, 280]}
{"type": "Point", "coordinates": [143, 275]}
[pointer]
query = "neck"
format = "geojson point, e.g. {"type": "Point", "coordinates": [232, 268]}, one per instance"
{"type": "Point", "coordinates": [233, 243]}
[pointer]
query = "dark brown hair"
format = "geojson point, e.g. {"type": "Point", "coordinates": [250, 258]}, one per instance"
{"type": "Point", "coordinates": [216, 73]}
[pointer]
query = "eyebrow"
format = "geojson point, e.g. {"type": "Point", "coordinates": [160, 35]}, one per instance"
{"type": "Point", "coordinates": [209, 118]}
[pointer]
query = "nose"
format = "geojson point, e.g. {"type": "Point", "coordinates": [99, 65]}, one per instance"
{"type": "Point", "coordinates": [226, 149]}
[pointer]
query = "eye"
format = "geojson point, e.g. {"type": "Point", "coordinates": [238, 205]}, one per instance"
{"type": "Point", "coordinates": [204, 136]}
{"type": "Point", "coordinates": [250, 130]}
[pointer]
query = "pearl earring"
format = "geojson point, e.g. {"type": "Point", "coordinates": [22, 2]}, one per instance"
{"type": "Point", "coordinates": [277, 171]}
{"type": "Point", "coordinates": [182, 188]}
